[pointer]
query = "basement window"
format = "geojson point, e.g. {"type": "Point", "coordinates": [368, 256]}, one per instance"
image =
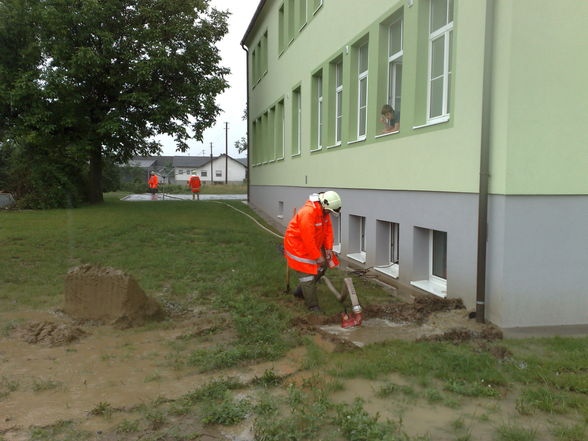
{"type": "Point", "coordinates": [436, 281]}
{"type": "Point", "coordinates": [357, 238]}
{"type": "Point", "coordinates": [387, 240]}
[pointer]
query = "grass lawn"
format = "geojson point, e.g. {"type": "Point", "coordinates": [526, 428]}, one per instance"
{"type": "Point", "coordinates": [208, 254]}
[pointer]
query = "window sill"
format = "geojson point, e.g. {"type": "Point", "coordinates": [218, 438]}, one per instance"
{"type": "Point", "coordinates": [280, 216]}
{"type": "Point", "coordinates": [337, 248]}
{"type": "Point", "coordinates": [317, 9]}
{"type": "Point", "coordinates": [391, 270]}
{"type": "Point", "coordinates": [356, 141]}
{"type": "Point", "coordinates": [296, 155]}
{"type": "Point", "coordinates": [433, 122]}
{"type": "Point", "coordinates": [317, 149]}
{"type": "Point", "coordinates": [439, 289]}
{"type": "Point", "coordinates": [360, 257]}
{"type": "Point", "coordinates": [382, 135]}
{"type": "Point", "coordinates": [334, 145]}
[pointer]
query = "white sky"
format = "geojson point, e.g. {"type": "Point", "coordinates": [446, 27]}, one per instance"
{"type": "Point", "coordinates": [234, 99]}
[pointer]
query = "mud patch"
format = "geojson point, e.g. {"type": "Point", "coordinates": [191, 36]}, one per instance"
{"type": "Point", "coordinates": [49, 333]}
{"type": "Point", "coordinates": [415, 312]}
{"type": "Point", "coordinates": [95, 293]}
{"type": "Point", "coordinates": [460, 335]}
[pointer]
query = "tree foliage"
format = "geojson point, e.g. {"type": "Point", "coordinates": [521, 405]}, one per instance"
{"type": "Point", "coordinates": [88, 81]}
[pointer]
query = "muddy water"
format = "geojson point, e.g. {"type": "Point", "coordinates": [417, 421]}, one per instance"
{"type": "Point", "coordinates": [480, 418]}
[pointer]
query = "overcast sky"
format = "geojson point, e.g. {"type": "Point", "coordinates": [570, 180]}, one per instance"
{"type": "Point", "coordinates": [233, 100]}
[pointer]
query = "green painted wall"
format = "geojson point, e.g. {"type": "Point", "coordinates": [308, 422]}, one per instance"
{"type": "Point", "coordinates": [541, 145]}
{"type": "Point", "coordinates": [538, 144]}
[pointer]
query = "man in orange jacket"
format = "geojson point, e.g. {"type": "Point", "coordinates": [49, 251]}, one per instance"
{"type": "Point", "coordinates": [153, 181]}
{"type": "Point", "coordinates": [308, 242]}
{"type": "Point", "coordinates": [194, 183]}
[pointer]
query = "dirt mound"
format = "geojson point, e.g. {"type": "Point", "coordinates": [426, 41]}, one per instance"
{"type": "Point", "coordinates": [106, 294]}
{"type": "Point", "coordinates": [49, 333]}
{"type": "Point", "coordinates": [415, 312]}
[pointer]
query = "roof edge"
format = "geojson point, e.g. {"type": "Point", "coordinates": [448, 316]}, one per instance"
{"type": "Point", "coordinates": [253, 20]}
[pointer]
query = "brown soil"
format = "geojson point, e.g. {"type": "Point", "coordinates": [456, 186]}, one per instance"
{"type": "Point", "coordinates": [109, 295]}
{"type": "Point", "coordinates": [415, 312]}
{"type": "Point", "coordinates": [49, 333]}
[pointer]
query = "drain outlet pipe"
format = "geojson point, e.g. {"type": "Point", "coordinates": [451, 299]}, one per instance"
{"type": "Point", "coordinates": [485, 163]}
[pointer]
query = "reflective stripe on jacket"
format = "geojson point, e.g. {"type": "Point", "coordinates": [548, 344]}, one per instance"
{"type": "Point", "coordinates": [307, 234]}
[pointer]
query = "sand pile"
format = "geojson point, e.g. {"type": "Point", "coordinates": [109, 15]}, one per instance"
{"type": "Point", "coordinates": [109, 295]}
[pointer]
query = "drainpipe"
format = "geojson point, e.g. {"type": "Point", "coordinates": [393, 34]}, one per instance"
{"type": "Point", "coordinates": [247, 110]}
{"type": "Point", "coordinates": [484, 162]}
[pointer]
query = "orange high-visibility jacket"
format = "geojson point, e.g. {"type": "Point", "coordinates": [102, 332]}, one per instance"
{"type": "Point", "coordinates": [194, 184]}
{"type": "Point", "coordinates": [308, 232]}
{"type": "Point", "coordinates": [153, 181]}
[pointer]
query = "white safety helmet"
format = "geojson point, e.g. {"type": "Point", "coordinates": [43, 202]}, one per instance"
{"type": "Point", "coordinates": [330, 201]}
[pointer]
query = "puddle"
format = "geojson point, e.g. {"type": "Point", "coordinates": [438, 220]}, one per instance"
{"type": "Point", "coordinates": [377, 330]}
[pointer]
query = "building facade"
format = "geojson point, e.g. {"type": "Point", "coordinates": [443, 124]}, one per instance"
{"type": "Point", "coordinates": [452, 130]}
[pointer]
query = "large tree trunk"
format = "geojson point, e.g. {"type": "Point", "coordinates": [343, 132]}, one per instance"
{"type": "Point", "coordinates": [95, 181]}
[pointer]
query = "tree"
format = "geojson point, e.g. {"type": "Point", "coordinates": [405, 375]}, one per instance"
{"type": "Point", "coordinates": [241, 144]}
{"type": "Point", "coordinates": [112, 74]}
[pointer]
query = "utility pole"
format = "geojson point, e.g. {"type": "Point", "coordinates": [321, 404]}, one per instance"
{"type": "Point", "coordinates": [211, 175]}
{"type": "Point", "coordinates": [226, 153]}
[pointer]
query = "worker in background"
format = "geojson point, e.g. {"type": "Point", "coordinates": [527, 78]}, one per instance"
{"type": "Point", "coordinates": [195, 184]}
{"type": "Point", "coordinates": [153, 182]}
{"type": "Point", "coordinates": [308, 243]}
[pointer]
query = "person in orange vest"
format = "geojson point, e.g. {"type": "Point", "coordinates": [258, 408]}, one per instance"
{"type": "Point", "coordinates": [308, 243]}
{"type": "Point", "coordinates": [194, 183]}
{"type": "Point", "coordinates": [153, 181]}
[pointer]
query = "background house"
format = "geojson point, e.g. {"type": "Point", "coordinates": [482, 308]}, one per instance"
{"type": "Point", "coordinates": [178, 169]}
{"type": "Point", "coordinates": [482, 192]}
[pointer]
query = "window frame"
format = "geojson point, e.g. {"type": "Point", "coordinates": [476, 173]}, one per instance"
{"type": "Point", "coordinates": [338, 102]}
{"type": "Point", "coordinates": [446, 33]}
{"type": "Point", "coordinates": [297, 122]}
{"type": "Point", "coordinates": [395, 60]}
{"type": "Point", "coordinates": [320, 111]}
{"type": "Point", "coordinates": [361, 77]}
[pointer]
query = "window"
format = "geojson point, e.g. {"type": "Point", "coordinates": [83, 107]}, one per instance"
{"type": "Point", "coordinates": [281, 30]}
{"type": "Point", "coordinates": [279, 131]}
{"type": "Point", "coordinates": [387, 241]}
{"type": "Point", "coordinates": [280, 214]}
{"type": "Point", "coordinates": [302, 7]}
{"type": "Point", "coordinates": [357, 238]}
{"type": "Point", "coordinates": [336, 224]}
{"type": "Point", "coordinates": [390, 114]}
{"type": "Point", "coordinates": [318, 117]}
{"type": "Point", "coordinates": [291, 20]}
{"type": "Point", "coordinates": [296, 121]}
{"type": "Point", "coordinates": [430, 265]}
{"type": "Point", "coordinates": [440, 42]}
{"type": "Point", "coordinates": [181, 171]}
{"type": "Point", "coordinates": [338, 101]}
{"type": "Point", "coordinates": [204, 173]}
{"type": "Point", "coordinates": [438, 254]}
{"type": "Point", "coordinates": [218, 173]}
{"type": "Point", "coordinates": [362, 92]}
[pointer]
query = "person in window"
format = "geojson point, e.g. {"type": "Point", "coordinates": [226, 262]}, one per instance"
{"type": "Point", "coordinates": [390, 119]}
{"type": "Point", "coordinates": [153, 182]}
{"type": "Point", "coordinates": [194, 184]}
{"type": "Point", "coordinates": [308, 243]}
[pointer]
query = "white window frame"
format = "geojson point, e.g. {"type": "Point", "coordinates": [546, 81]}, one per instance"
{"type": "Point", "coordinates": [338, 101]}
{"type": "Point", "coordinates": [319, 111]}
{"type": "Point", "coordinates": [218, 173]}
{"type": "Point", "coordinates": [204, 173]}
{"type": "Point", "coordinates": [392, 267]}
{"type": "Point", "coordinates": [394, 63]}
{"type": "Point", "coordinates": [298, 128]}
{"type": "Point", "coordinates": [362, 77]}
{"type": "Point", "coordinates": [282, 134]}
{"type": "Point", "coordinates": [445, 32]}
